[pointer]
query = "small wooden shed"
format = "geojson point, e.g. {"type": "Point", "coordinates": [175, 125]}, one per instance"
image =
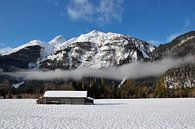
{"type": "Point", "coordinates": [65, 97]}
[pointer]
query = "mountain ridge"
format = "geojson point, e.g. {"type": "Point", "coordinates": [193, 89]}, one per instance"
{"type": "Point", "coordinates": [99, 43]}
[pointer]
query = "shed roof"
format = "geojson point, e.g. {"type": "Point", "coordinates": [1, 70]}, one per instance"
{"type": "Point", "coordinates": [75, 94]}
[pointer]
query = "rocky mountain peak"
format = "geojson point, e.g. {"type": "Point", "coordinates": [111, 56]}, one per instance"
{"type": "Point", "coordinates": [56, 41]}
{"type": "Point", "coordinates": [98, 50]}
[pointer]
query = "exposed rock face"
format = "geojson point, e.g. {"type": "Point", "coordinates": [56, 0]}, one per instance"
{"type": "Point", "coordinates": [183, 76]}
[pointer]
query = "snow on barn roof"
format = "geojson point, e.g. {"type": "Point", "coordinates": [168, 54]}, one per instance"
{"type": "Point", "coordinates": [75, 94]}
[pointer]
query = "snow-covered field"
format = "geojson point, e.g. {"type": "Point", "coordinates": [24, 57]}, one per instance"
{"type": "Point", "coordinates": [105, 114]}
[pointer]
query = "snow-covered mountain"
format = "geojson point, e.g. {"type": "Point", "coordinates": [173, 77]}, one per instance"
{"type": "Point", "coordinates": [97, 50]}
{"type": "Point", "coordinates": [46, 50]}
{"type": "Point", "coordinates": [94, 50]}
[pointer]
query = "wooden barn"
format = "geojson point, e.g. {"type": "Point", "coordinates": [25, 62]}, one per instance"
{"type": "Point", "coordinates": [65, 97]}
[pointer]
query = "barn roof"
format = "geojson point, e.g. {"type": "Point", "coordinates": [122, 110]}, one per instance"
{"type": "Point", "coordinates": [75, 94]}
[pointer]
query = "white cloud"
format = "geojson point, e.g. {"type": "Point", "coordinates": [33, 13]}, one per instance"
{"type": "Point", "coordinates": [81, 9]}
{"type": "Point", "coordinates": [101, 12]}
{"type": "Point", "coordinates": [109, 10]}
{"type": "Point", "coordinates": [54, 2]}
{"type": "Point", "coordinates": [133, 70]}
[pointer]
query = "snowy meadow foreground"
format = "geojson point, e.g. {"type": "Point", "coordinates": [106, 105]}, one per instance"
{"type": "Point", "coordinates": [105, 114]}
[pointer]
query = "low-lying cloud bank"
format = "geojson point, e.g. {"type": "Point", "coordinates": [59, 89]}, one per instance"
{"type": "Point", "coordinates": [133, 70]}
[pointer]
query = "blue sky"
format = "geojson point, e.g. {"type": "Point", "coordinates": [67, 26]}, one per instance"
{"type": "Point", "coordinates": [157, 21]}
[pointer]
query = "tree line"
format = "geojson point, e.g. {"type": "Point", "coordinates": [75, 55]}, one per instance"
{"type": "Point", "coordinates": [98, 88]}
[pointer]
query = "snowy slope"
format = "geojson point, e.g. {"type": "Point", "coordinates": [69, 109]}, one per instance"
{"type": "Point", "coordinates": [57, 41]}
{"type": "Point", "coordinates": [102, 39]}
{"type": "Point", "coordinates": [31, 43]}
{"type": "Point", "coordinates": [47, 49]}
{"type": "Point", "coordinates": [5, 50]}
